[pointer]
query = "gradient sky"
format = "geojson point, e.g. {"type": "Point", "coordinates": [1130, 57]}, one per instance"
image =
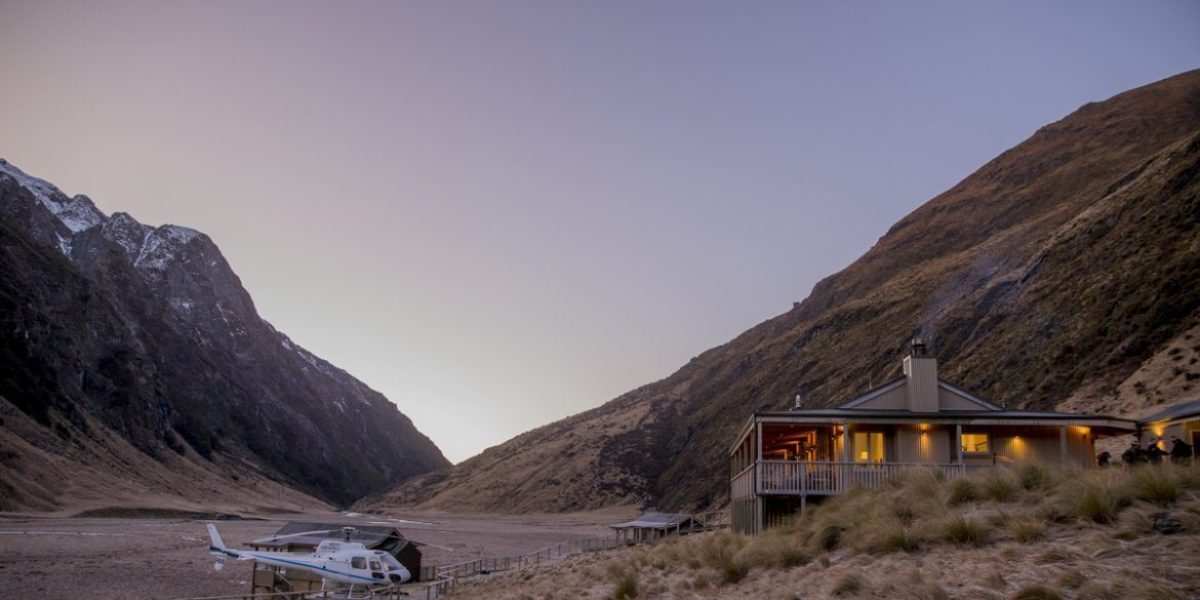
{"type": "Point", "coordinates": [502, 213]}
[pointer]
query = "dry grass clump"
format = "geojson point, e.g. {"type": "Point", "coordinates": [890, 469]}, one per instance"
{"type": "Point", "coordinates": [1026, 531]}
{"type": "Point", "coordinates": [627, 585]}
{"type": "Point", "coordinates": [848, 584]}
{"type": "Point", "coordinates": [965, 532]}
{"type": "Point", "coordinates": [1036, 592]}
{"type": "Point", "coordinates": [1001, 486]}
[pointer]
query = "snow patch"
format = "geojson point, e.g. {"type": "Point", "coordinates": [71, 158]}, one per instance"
{"type": "Point", "coordinates": [80, 214]}
{"type": "Point", "coordinates": [50, 197]}
{"type": "Point", "coordinates": [161, 246]}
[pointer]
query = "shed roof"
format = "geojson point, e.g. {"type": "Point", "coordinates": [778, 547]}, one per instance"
{"type": "Point", "coordinates": [371, 536]}
{"type": "Point", "coordinates": [1179, 411]}
{"type": "Point", "coordinates": [656, 520]}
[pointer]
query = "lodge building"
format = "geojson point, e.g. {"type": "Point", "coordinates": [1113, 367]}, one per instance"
{"type": "Point", "coordinates": [919, 421]}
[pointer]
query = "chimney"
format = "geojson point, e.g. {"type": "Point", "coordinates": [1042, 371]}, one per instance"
{"type": "Point", "coordinates": [920, 369]}
{"type": "Point", "coordinates": [799, 402]}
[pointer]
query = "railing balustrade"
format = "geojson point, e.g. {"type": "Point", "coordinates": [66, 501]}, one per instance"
{"type": "Point", "coordinates": [823, 478]}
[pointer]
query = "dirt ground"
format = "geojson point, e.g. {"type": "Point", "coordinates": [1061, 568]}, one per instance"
{"type": "Point", "coordinates": [53, 558]}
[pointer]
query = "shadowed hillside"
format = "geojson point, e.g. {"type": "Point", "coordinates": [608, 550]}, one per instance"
{"type": "Point", "coordinates": [135, 368]}
{"type": "Point", "coordinates": [1060, 274]}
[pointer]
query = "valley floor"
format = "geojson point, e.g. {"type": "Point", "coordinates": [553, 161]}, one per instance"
{"type": "Point", "coordinates": [54, 558]}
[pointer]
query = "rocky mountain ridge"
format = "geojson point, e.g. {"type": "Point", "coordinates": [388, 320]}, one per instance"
{"type": "Point", "coordinates": [108, 325]}
{"type": "Point", "coordinates": [1061, 274]}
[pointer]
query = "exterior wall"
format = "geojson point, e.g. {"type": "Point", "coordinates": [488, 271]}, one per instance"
{"type": "Point", "coordinates": [932, 446]}
{"type": "Point", "coordinates": [922, 385]}
{"type": "Point", "coordinates": [1013, 445]}
{"type": "Point", "coordinates": [1187, 430]}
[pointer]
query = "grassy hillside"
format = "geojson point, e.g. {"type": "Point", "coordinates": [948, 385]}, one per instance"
{"type": "Point", "coordinates": [1060, 274]}
{"type": "Point", "coordinates": [1034, 533]}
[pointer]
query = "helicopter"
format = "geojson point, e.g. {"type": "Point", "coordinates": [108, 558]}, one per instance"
{"type": "Point", "coordinates": [340, 563]}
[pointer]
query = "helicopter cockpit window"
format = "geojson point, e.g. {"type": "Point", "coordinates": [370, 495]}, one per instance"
{"type": "Point", "coordinates": [375, 566]}
{"type": "Point", "coordinates": [358, 562]}
{"type": "Point", "coordinates": [391, 562]}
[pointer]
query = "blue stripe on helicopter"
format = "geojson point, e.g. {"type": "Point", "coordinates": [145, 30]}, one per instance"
{"type": "Point", "coordinates": [341, 573]}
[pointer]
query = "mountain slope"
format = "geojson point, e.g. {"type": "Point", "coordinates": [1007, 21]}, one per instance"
{"type": "Point", "coordinates": [1061, 273]}
{"type": "Point", "coordinates": [115, 334]}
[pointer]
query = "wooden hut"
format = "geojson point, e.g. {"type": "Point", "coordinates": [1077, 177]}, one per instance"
{"type": "Point", "coordinates": [655, 525]}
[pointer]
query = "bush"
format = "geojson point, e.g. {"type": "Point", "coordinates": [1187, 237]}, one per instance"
{"type": "Point", "coordinates": [965, 532]}
{"type": "Point", "coordinates": [1036, 592]}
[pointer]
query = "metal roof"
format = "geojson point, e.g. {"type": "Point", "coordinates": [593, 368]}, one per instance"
{"type": "Point", "coordinates": [1179, 411]}
{"type": "Point", "coordinates": [656, 520]}
{"type": "Point", "coordinates": [371, 536]}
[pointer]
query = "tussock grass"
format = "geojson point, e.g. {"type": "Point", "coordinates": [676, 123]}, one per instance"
{"type": "Point", "coordinates": [1037, 592]}
{"type": "Point", "coordinates": [848, 584]}
{"type": "Point", "coordinates": [1056, 524]}
{"type": "Point", "coordinates": [627, 586]}
{"type": "Point", "coordinates": [965, 532]}
{"type": "Point", "coordinates": [1001, 486]}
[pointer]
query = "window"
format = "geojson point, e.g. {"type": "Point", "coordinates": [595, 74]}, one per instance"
{"type": "Point", "coordinates": [868, 446]}
{"type": "Point", "coordinates": [375, 566]}
{"type": "Point", "coordinates": [975, 443]}
{"type": "Point", "coordinates": [358, 562]}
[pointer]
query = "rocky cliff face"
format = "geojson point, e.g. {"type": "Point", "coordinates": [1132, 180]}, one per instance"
{"type": "Point", "coordinates": [1061, 274]}
{"type": "Point", "coordinates": [108, 326]}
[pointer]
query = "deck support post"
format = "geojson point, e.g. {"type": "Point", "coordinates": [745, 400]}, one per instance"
{"type": "Point", "coordinates": [1062, 442]}
{"type": "Point", "coordinates": [958, 451]}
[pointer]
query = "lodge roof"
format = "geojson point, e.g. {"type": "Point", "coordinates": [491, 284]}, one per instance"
{"type": "Point", "coordinates": [1179, 411]}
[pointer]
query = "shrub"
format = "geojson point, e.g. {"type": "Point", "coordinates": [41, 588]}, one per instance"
{"type": "Point", "coordinates": [965, 532]}
{"type": "Point", "coordinates": [1036, 592]}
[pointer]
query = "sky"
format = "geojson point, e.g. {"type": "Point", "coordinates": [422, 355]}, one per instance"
{"type": "Point", "coordinates": [499, 214]}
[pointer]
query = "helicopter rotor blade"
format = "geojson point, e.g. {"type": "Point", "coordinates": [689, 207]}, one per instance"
{"type": "Point", "coordinates": [276, 538]}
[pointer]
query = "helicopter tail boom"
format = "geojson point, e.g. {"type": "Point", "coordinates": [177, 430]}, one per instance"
{"type": "Point", "coordinates": [216, 546]}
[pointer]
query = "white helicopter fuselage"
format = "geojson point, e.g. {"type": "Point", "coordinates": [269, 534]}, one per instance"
{"type": "Point", "coordinates": [344, 563]}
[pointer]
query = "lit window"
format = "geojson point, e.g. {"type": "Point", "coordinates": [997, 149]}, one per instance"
{"type": "Point", "coordinates": [974, 442]}
{"type": "Point", "coordinates": [868, 446]}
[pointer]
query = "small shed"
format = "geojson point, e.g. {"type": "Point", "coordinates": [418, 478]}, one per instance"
{"type": "Point", "coordinates": [269, 579]}
{"type": "Point", "coordinates": [655, 525]}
